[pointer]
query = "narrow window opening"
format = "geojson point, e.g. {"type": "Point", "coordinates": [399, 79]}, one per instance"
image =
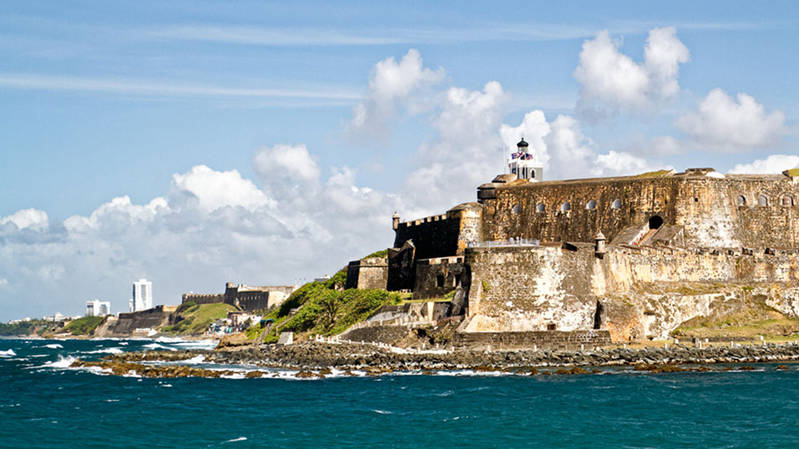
{"type": "Point", "coordinates": [741, 200]}
{"type": "Point", "coordinates": [440, 280]}
{"type": "Point", "coordinates": [616, 204]}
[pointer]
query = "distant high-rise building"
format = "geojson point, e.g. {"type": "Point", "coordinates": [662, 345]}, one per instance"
{"type": "Point", "coordinates": [142, 295]}
{"type": "Point", "coordinates": [95, 307]}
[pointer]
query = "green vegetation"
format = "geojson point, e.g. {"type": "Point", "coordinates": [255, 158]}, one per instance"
{"type": "Point", "coordinates": [324, 308]}
{"type": "Point", "coordinates": [21, 328]}
{"type": "Point", "coordinates": [654, 174]}
{"type": "Point", "coordinates": [83, 326]}
{"type": "Point", "coordinates": [381, 253]}
{"type": "Point", "coordinates": [486, 288]}
{"type": "Point", "coordinates": [192, 318]}
{"type": "Point", "coordinates": [747, 318]}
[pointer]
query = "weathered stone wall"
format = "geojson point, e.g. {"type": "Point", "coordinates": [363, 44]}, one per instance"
{"type": "Point", "coordinates": [547, 287]}
{"type": "Point", "coordinates": [546, 340]}
{"type": "Point", "coordinates": [443, 235]}
{"type": "Point", "coordinates": [368, 273]}
{"type": "Point", "coordinates": [377, 334]}
{"type": "Point", "coordinates": [707, 207]}
{"type": "Point", "coordinates": [437, 277]}
{"type": "Point", "coordinates": [127, 323]}
{"type": "Point", "coordinates": [250, 298]}
{"type": "Point", "coordinates": [202, 298]}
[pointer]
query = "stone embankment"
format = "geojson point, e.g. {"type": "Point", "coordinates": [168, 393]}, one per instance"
{"type": "Point", "coordinates": [314, 358]}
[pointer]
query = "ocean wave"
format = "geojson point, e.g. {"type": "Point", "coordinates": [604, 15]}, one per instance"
{"type": "Point", "coordinates": [62, 362]}
{"type": "Point", "coordinates": [153, 346]}
{"type": "Point", "coordinates": [54, 346]}
{"type": "Point", "coordinates": [8, 353]}
{"type": "Point", "coordinates": [382, 412]}
{"type": "Point", "coordinates": [104, 351]}
{"type": "Point", "coordinates": [198, 344]}
{"type": "Point", "coordinates": [234, 440]}
{"type": "Point", "coordinates": [123, 343]}
{"type": "Point", "coordinates": [169, 340]}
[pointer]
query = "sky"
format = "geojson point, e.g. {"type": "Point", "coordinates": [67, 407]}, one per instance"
{"type": "Point", "coordinates": [195, 143]}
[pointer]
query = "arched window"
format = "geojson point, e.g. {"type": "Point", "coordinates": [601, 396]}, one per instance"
{"type": "Point", "coordinates": [516, 209]}
{"type": "Point", "coordinates": [616, 204]}
{"type": "Point", "coordinates": [762, 200]}
{"type": "Point", "coordinates": [741, 200]}
{"type": "Point", "coordinates": [541, 208]}
{"type": "Point", "coordinates": [787, 201]}
{"type": "Point", "coordinates": [591, 205]}
{"type": "Point", "coordinates": [565, 207]}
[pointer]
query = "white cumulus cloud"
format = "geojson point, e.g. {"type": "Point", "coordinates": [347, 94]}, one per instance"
{"type": "Point", "coordinates": [214, 189]}
{"type": "Point", "coordinates": [611, 81]}
{"type": "Point", "coordinates": [391, 84]}
{"type": "Point", "coordinates": [722, 123]}
{"type": "Point", "coordinates": [775, 163]}
{"type": "Point", "coordinates": [27, 219]}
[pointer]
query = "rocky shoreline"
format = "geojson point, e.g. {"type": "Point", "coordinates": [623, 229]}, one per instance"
{"type": "Point", "coordinates": [316, 359]}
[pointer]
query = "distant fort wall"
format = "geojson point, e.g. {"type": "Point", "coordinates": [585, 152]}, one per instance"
{"type": "Point", "coordinates": [203, 298]}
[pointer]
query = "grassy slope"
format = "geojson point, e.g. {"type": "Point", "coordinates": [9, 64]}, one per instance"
{"type": "Point", "coordinates": [742, 318]}
{"type": "Point", "coordinates": [323, 308]}
{"type": "Point", "coordinates": [83, 326]}
{"type": "Point", "coordinates": [195, 318]}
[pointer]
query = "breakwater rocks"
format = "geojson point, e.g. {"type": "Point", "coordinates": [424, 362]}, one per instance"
{"type": "Point", "coordinates": [353, 356]}
{"type": "Point", "coordinates": [315, 360]}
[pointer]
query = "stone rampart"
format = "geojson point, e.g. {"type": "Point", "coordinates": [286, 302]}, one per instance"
{"type": "Point", "coordinates": [368, 273]}
{"type": "Point", "coordinates": [544, 340]}
{"type": "Point", "coordinates": [202, 298]}
{"type": "Point", "coordinates": [732, 211]}
{"type": "Point", "coordinates": [437, 277]}
{"type": "Point", "coordinates": [634, 292]}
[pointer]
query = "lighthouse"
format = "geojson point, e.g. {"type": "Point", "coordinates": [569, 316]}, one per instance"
{"type": "Point", "coordinates": [523, 164]}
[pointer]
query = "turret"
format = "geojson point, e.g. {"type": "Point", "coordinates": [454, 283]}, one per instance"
{"type": "Point", "coordinates": [395, 220]}
{"type": "Point", "coordinates": [599, 245]}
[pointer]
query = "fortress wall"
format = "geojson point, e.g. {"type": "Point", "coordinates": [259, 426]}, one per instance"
{"type": "Point", "coordinates": [443, 235]}
{"type": "Point", "coordinates": [437, 277]}
{"type": "Point", "coordinates": [201, 298]}
{"type": "Point", "coordinates": [530, 289]}
{"type": "Point", "coordinates": [434, 236]}
{"type": "Point", "coordinates": [514, 214]}
{"type": "Point", "coordinates": [368, 273]}
{"type": "Point", "coordinates": [712, 217]}
{"type": "Point", "coordinates": [540, 288]}
{"type": "Point", "coordinates": [706, 207]}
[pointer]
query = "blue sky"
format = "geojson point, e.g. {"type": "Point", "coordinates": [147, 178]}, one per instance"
{"type": "Point", "coordinates": [105, 100]}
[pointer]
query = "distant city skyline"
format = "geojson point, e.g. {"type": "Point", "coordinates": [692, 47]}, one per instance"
{"type": "Point", "coordinates": [197, 143]}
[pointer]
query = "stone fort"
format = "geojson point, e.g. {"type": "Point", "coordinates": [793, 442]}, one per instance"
{"type": "Point", "coordinates": [625, 258]}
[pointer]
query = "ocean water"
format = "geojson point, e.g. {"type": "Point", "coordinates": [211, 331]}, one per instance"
{"type": "Point", "coordinates": [45, 405]}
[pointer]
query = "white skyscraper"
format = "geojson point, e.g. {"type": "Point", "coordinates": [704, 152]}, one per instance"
{"type": "Point", "coordinates": [142, 295]}
{"type": "Point", "coordinates": [95, 307]}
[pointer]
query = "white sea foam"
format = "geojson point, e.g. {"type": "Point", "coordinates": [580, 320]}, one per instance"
{"type": "Point", "coordinates": [198, 344]}
{"type": "Point", "coordinates": [382, 412]}
{"type": "Point", "coordinates": [62, 362]}
{"type": "Point", "coordinates": [168, 340]}
{"type": "Point", "coordinates": [154, 346]}
{"type": "Point", "coordinates": [123, 343]}
{"type": "Point", "coordinates": [8, 353]}
{"type": "Point", "coordinates": [54, 346]}
{"type": "Point", "coordinates": [105, 351]}
{"type": "Point", "coordinates": [195, 360]}
{"type": "Point", "coordinates": [234, 440]}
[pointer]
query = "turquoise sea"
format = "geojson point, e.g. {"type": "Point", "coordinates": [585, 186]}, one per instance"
{"type": "Point", "coordinates": [44, 405]}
